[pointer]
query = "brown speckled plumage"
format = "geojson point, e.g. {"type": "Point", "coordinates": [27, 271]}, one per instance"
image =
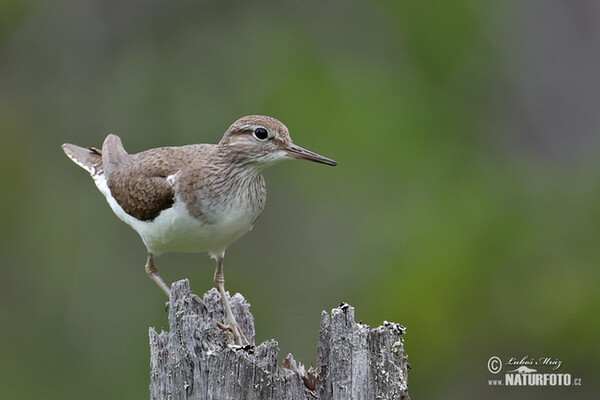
{"type": "Point", "coordinates": [193, 198]}
{"type": "Point", "coordinates": [140, 183]}
{"type": "Point", "coordinates": [207, 175]}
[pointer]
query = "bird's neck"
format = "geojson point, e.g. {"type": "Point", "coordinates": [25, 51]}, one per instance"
{"type": "Point", "coordinates": [221, 186]}
{"type": "Point", "coordinates": [235, 174]}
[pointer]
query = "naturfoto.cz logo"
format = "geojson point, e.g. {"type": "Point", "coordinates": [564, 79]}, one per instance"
{"type": "Point", "coordinates": [524, 372]}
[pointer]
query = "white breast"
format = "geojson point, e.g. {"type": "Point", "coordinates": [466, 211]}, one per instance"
{"type": "Point", "coordinates": [175, 230]}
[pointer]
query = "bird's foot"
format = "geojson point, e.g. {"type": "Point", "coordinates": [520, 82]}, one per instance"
{"type": "Point", "coordinates": [235, 330]}
{"type": "Point", "coordinates": [197, 299]}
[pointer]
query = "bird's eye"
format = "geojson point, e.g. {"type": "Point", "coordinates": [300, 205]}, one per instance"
{"type": "Point", "coordinates": [261, 133]}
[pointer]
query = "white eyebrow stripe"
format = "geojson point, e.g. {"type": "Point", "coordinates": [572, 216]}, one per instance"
{"type": "Point", "coordinates": [250, 127]}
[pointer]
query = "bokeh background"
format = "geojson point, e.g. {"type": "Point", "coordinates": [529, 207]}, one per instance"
{"type": "Point", "coordinates": [466, 202]}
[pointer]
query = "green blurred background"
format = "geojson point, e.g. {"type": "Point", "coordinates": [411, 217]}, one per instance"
{"type": "Point", "coordinates": [466, 202]}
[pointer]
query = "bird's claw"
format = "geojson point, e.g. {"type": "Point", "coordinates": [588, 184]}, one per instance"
{"type": "Point", "coordinates": [198, 300]}
{"type": "Point", "coordinates": [235, 330]}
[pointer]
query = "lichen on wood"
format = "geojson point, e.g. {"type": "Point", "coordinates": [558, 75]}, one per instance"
{"type": "Point", "coordinates": [196, 360]}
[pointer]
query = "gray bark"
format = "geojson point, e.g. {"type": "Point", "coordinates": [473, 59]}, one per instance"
{"type": "Point", "coordinates": [194, 360]}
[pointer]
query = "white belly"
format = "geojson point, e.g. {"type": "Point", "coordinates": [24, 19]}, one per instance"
{"type": "Point", "coordinates": [175, 230]}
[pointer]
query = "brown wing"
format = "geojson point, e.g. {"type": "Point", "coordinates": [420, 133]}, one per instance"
{"type": "Point", "coordinates": [138, 182]}
{"type": "Point", "coordinates": [140, 195]}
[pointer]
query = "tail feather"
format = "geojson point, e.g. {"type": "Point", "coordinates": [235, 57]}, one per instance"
{"type": "Point", "coordinates": [89, 159]}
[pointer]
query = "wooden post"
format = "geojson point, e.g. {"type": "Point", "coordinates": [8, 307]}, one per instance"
{"type": "Point", "coordinates": [193, 360]}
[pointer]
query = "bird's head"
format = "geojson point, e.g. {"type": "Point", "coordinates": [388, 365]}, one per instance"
{"type": "Point", "coordinates": [263, 140]}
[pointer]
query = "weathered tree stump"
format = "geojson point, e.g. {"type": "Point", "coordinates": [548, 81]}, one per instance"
{"type": "Point", "coordinates": [193, 360]}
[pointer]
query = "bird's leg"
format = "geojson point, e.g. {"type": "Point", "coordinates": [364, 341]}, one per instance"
{"type": "Point", "coordinates": [152, 273]}
{"type": "Point", "coordinates": [230, 322]}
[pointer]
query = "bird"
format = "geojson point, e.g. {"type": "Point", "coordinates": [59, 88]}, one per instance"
{"type": "Point", "coordinates": [196, 198]}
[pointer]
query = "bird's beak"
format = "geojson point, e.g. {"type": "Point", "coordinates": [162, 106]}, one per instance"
{"type": "Point", "coordinates": [299, 152]}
